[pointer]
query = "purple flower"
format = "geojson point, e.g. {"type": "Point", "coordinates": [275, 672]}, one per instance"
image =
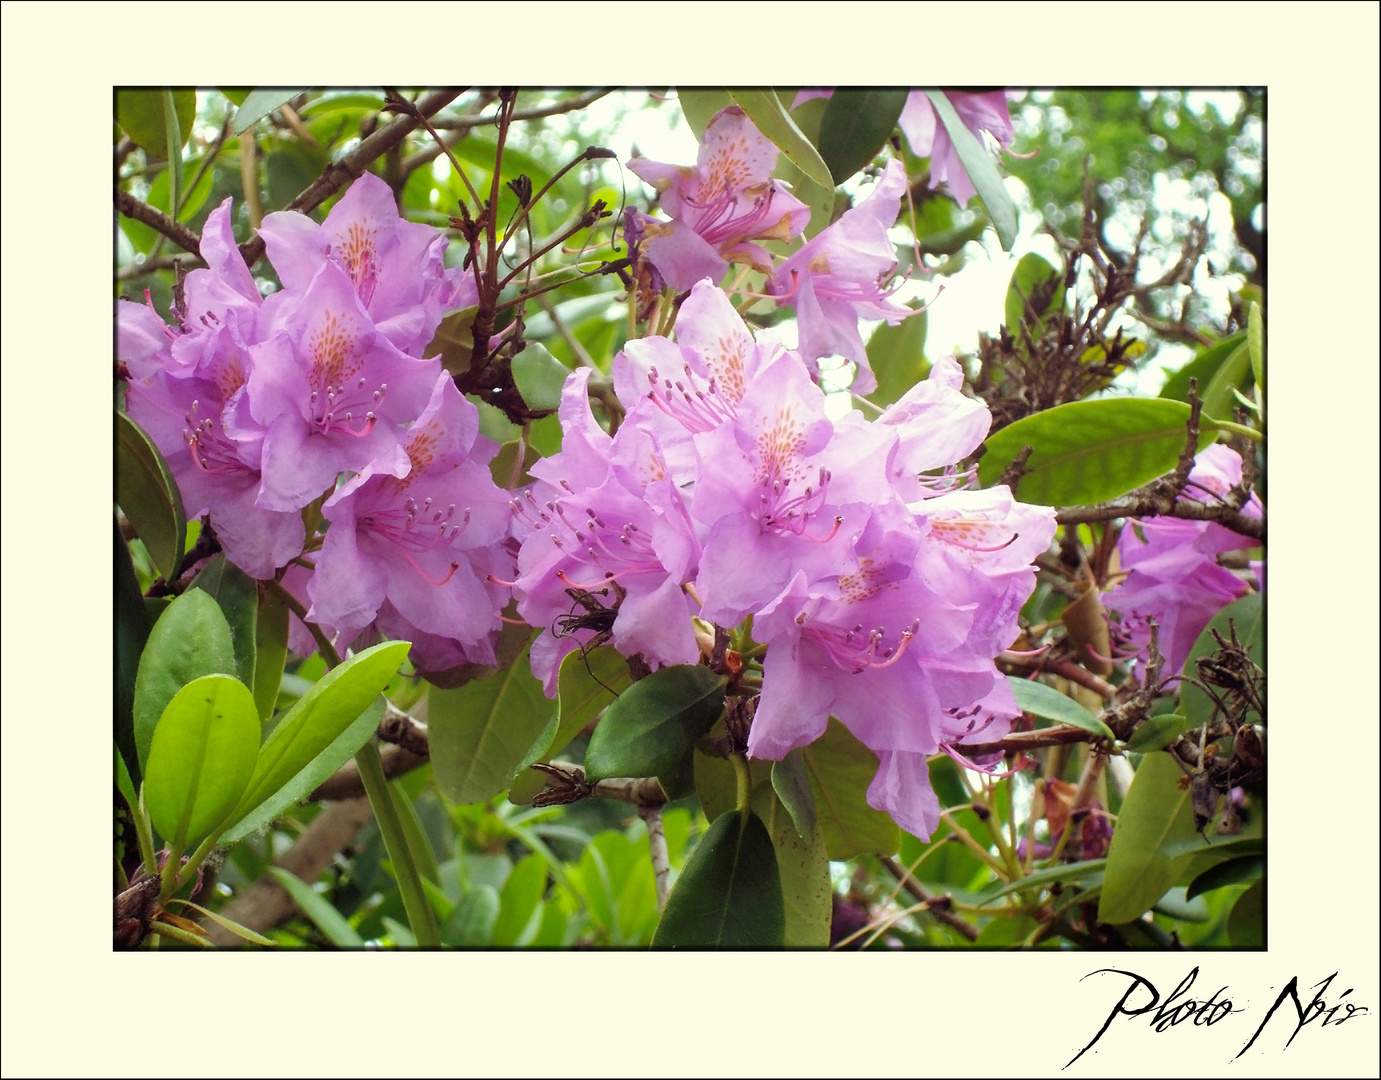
{"type": "Point", "coordinates": [328, 391]}
{"type": "Point", "coordinates": [1173, 573]}
{"type": "Point", "coordinates": [395, 266]}
{"type": "Point", "coordinates": [605, 525]}
{"type": "Point", "coordinates": [726, 200]}
{"type": "Point", "coordinates": [410, 540]}
{"type": "Point", "coordinates": [927, 137]}
{"type": "Point", "coordinates": [842, 276]}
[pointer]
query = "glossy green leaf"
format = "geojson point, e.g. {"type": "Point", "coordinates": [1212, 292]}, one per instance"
{"type": "Point", "coordinates": [237, 594]}
{"type": "Point", "coordinates": [1247, 921]}
{"type": "Point", "coordinates": [539, 377]}
{"type": "Point", "coordinates": [1156, 812]}
{"type": "Point", "coordinates": [792, 786]}
{"type": "Point", "coordinates": [1221, 846]}
{"type": "Point", "coordinates": [1041, 700]}
{"type": "Point", "coordinates": [897, 356]}
{"type": "Point", "coordinates": [699, 106]}
{"type": "Point", "coordinates": [319, 910]}
{"type": "Point", "coordinates": [1159, 732]}
{"type": "Point", "coordinates": [1177, 905]}
{"type": "Point", "coordinates": [321, 716]}
{"type": "Point", "coordinates": [982, 170]}
{"type": "Point", "coordinates": [1220, 395]}
{"type": "Point", "coordinates": [1202, 368]}
{"type": "Point", "coordinates": [1256, 343]}
{"type": "Point", "coordinates": [190, 639]}
{"type": "Point", "coordinates": [1091, 871]}
{"type": "Point", "coordinates": [819, 197]}
{"type": "Point", "coordinates": [123, 782]}
{"type": "Point", "coordinates": [729, 894]}
{"type": "Point", "coordinates": [271, 651]}
{"type": "Point", "coordinates": [518, 900]}
{"type": "Point", "coordinates": [173, 137]}
{"type": "Point", "coordinates": [770, 117]}
{"type": "Point", "coordinates": [148, 494]}
{"type": "Point", "coordinates": [202, 758]}
{"type": "Point", "coordinates": [856, 126]}
{"type": "Point", "coordinates": [141, 113]}
{"type": "Point", "coordinates": [804, 866]}
{"type": "Point", "coordinates": [1034, 284]}
{"type": "Point", "coordinates": [323, 766]}
{"type": "Point", "coordinates": [258, 104]}
{"type": "Point", "coordinates": [654, 722]}
{"type": "Point", "coordinates": [1231, 872]}
{"type": "Point", "coordinates": [131, 632]}
{"type": "Point", "coordinates": [480, 732]}
{"type": "Point", "coordinates": [840, 769]}
{"type": "Point", "coordinates": [1091, 451]}
{"type": "Point", "coordinates": [1249, 617]}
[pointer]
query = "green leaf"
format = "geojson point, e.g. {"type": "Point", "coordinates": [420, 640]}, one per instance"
{"type": "Point", "coordinates": [147, 493]}
{"type": "Point", "coordinates": [655, 722]}
{"type": "Point", "coordinates": [804, 866]}
{"type": "Point", "coordinates": [978, 163]}
{"type": "Point", "coordinates": [1176, 905]}
{"type": "Point", "coordinates": [190, 639]}
{"type": "Point", "coordinates": [237, 594]}
{"type": "Point", "coordinates": [1156, 812]}
{"type": "Point", "coordinates": [1035, 281]}
{"type": "Point", "coordinates": [258, 104]}
{"type": "Point", "coordinates": [1159, 732]}
{"type": "Point", "coordinates": [792, 785]}
{"type": "Point", "coordinates": [1220, 395]}
{"type": "Point", "coordinates": [1247, 921]}
{"type": "Point", "coordinates": [313, 774]}
{"type": "Point", "coordinates": [320, 717]}
{"type": "Point", "coordinates": [319, 910]}
{"type": "Point", "coordinates": [1202, 368]}
{"type": "Point", "coordinates": [131, 632]}
{"type": "Point", "coordinates": [480, 732]}
{"type": "Point", "coordinates": [471, 925]}
{"type": "Point", "coordinates": [897, 356]}
{"type": "Point", "coordinates": [123, 783]}
{"type": "Point", "coordinates": [856, 126]}
{"type": "Point", "coordinates": [1091, 451]}
{"type": "Point", "coordinates": [1091, 870]}
{"type": "Point", "coordinates": [699, 106]}
{"type": "Point", "coordinates": [1041, 700]}
{"type": "Point", "coordinates": [770, 117]}
{"type": "Point", "coordinates": [271, 651]}
{"type": "Point", "coordinates": [840, 769]}
{"type": "Point", "coordinates": [1249, 616]}
{"type": "Point", "coordinates": [142, 114]}
{"type": "Point", "coordinates": [1218, 845]}
{"type": "Point", "coordinates": [729, 894]}
{"type": "Point", "coordinates": [539, 377]}
{"type": "Point", "coordinates": [173, 137]}
{"type": "Point", "coordinates": [1256, 344]}
{"type": "Point", "coordinates": [518, 901]}
{"type": "Point", "coordinates": [1230, 872]}
{"type": "Point", "coordinates": [202, 758]}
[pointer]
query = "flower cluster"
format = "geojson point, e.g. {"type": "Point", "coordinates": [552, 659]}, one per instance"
{"type": "Point", "coordinates": [880, 584]}
{"type": "Point", "coordinates": [260, 405]}
{"type": "Point", "coordinates": [1173, 575]}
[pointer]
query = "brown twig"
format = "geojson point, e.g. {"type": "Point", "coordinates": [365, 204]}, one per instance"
{"type": "Point", "coordinates": [178, 233]}
{"type": "Point", "coordinates": [934, 905]}
{"type": "Point", "coordinates": [353, 165]}
{"type": "Point", "coordinates": [1066, 669]}
{"type": "Point", "coordinates": [1027, 740]}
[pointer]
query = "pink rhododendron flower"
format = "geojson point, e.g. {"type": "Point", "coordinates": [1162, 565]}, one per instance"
{"type": "Point", "coordinates": [842, 276]}
{"type": "Point", "coordinates": [1173, 573]}
{"type": "Point", "coordinates": [718, 206]}
{"type": "Point", "coordinates": [927, 137]}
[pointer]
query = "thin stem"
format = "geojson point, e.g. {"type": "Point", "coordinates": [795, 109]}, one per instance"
{"type": "Point", "coordinates": [1241, 429]}
{"type": "Point", "coordinates": [144, 830]}
{"type": "Point", "coordinates": [973, 845]}
{"type": "Point", "coordinates": [421, 918]}
{"type": "Point", "coordinates": [657, 849]}
{"type": "Point", "coordinates": [743, 783]}
{"type": "Point", "coordinates": [162, 928]}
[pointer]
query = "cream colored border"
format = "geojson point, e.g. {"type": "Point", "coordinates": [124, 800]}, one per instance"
{"type": "Point", "coordinates": [71, 1007]}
